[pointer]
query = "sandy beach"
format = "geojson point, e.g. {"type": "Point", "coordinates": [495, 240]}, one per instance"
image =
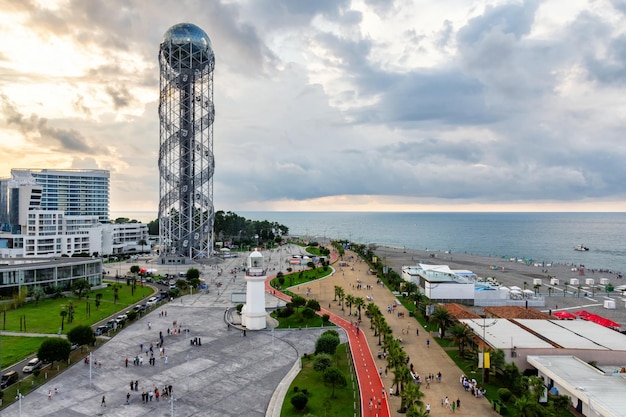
{"type": "Point", "coordinates": [510, 273]}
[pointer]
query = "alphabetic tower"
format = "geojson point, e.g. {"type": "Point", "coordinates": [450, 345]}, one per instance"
{"type": "Point", "coordinates": [186, 161]}
{"type": "Point", "coordinates": [253, 315]}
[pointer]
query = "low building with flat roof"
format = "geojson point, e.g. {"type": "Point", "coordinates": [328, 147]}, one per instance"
{"type": "Point", "coordinates": [17, 275]}
{"type": "Point", "coordinates": [593, 392]}
{"type": "Point", "coordinates": [520, 338]}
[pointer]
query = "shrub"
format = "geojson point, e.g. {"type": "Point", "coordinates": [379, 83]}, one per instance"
{"type": "Point", "coordinates": [322, 361]}
{"type": "Point", "coordinates": [295, 389]}
{"type": "Point", "coordinates": [325, 318]}
{"type": "Point", "coordinates": [505, 394]}
{"type": "Point", "coordinates": [132, 315]}
{"type": "Point", "coordinates": [299, 401]}
{"type": "Point", "coordinates": [326, 343]}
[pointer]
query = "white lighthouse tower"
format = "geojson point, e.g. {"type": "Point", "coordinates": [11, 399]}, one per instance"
{"type": "Point", "coordinates": [253, 313]}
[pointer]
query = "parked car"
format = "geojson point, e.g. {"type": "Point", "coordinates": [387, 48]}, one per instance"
{"type": "Point", "coordinates": [9, 378]}
{"type": "Point", "coordinates": [152, 301]}
{"type": "Point", "coordinates": [32, 364]}
{"type": "Point", "coordinates": [101, 330]}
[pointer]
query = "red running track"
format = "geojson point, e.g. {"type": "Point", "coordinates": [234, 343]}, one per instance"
{"type": "Point", "coordinates": [368, 378]}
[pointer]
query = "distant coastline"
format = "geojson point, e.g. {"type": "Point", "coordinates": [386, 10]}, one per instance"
{"type": "Point", "coordinates": [141, 216]}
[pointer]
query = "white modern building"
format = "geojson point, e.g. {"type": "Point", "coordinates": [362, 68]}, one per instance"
{"type": "Point", "coordinates": [22, 275]}
{"type": "Point", "coordinates": [52, 213]}
{"type": "Point", "coordinates": [442, 284]}
{"type": "Point", "coordinates": [77, 192]}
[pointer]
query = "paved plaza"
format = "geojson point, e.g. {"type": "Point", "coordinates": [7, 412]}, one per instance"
{"type": "Point", "coordinates": [227, 375]}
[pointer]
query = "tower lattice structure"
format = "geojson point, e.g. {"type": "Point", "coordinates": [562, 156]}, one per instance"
{"type": "Point", "coordinates": [186, 160]}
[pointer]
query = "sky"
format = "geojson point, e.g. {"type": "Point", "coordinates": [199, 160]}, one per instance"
{"type": "Point", "coordinates": [334, 105]}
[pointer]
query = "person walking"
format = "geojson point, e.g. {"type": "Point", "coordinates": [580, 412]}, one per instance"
{"type": "Point", "coordinates": [427, 343]}
{"type": "Point", "coordinates": [103, 403]}
{"type": "Point", "coordinates": [49, 394]}
{"type": "Point", "coordinates": [128, 398]}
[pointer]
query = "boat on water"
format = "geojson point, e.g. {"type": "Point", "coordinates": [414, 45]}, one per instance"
{"type": "Point", "coordinates": [581, 248]}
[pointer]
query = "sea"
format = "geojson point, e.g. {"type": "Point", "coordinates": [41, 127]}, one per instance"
{"type": "Point", "coordinates": [537, 237]}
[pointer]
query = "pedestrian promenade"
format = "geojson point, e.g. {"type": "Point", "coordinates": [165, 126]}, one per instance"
{"type": "Point", "coordinates": [432, 359]}
{"type": "Point", "coordinates": [226, 375]}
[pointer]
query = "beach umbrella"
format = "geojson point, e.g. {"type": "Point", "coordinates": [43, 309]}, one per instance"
{"type": "Point", "coordinates": [529, 292]}
{"type": "Point", "coordinates": [516, 288]}
{"type": "Point", "coordinates": [516, 292]}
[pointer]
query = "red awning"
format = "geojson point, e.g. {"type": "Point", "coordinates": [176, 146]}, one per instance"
{"type": "Point", "coordinates": [564, 315]}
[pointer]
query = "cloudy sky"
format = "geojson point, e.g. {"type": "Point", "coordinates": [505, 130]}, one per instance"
{"type": "Point", "coordinates": [405, 105]}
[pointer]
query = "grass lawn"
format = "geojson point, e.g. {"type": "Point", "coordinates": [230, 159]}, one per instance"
{"type": "Point", "coordinates": [15, 348]}
{"type": "Point", "coordinates": [320, 402]}
{"type": "Point", "coordinates": [46, 317]}
{"type": "Point", "coordinates": [295, 321]}
{"type": "Point", "coordinates": [300, 277]}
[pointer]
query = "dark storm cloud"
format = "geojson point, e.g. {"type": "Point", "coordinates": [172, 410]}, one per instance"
{"type": "Point", "coordinates": [38, 130]}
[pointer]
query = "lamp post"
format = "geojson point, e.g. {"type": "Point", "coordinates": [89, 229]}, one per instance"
{"type": "Point", "coordinates": [19, 397]}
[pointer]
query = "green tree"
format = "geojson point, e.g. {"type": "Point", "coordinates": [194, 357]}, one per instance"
{"type": "Point", "coordinates": [38, 293]}
{"type": "Point", "coordinates": [527, 407]}
{"type": "Point", "coordinates": [415, 411]}
{"type": "Point", "coordinates": [359, 303]}
{"type": "Point", "coordinates": [116, 294]}
{"type": "Point", "coordinates": [313, 305]}
{"type": "Point", "coordinates": [63, 314]}
{"type": "Point", "coordinates": [98, 299]}
{"type": "Point", "coordinates": [181, 284]}
{"type": "Point", "coordinates": [80, 287]}
{"type": "Point", "coordinates": [308, 314]}
{"type": "Point", "coordinates": [442, 318]}
{"type": "Point", "coordinates": [335, 378]}
{"type": "Point", "coordinates": [326, 343]}
{"type": "Point", "coordinates": [560, 403]}
{"type": "Point", "coordinates": [322, 361]}
{"type": "Point", "coordinates": [350, 301]}
{"type": "Point", "coordinates": [341, 294]}
{"type": "Point", "coordinates": [134, 269]}
{"type": "Point", "coordinates": [142, 242]}
{"type": "Point", "coordinates": [193, 273]}
{"type": "Point", "coordinates": [298, 301]}
{"type": "Point", "coordinates": [411, 395]}
{"type": "Point", "coordinates": [81, 335]}
{"type": "Point", "coordinates": [54, 349]}
{"type": "Point", "coordinates": [299, 401]}
{"type": "Point", "coordinates": [310, 265]}
{"type": "Point", "coordinates": [461, 334]}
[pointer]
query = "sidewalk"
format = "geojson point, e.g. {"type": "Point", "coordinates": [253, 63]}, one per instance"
{"type": "Point", "coordinates": [425, 360]}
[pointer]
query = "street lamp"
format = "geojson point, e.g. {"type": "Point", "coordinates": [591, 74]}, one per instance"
{"type": "Point", "coordinates": [19, 397]}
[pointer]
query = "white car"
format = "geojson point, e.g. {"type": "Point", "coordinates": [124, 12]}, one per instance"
{"type": "Point", "coordinates": [152, 301]}
{"type": "Point", "coordinates": [32, 364]}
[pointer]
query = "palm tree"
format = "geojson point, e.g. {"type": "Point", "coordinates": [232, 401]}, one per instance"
{"type": "Point", "coordinates": [337, 288]}
{"type": "Point", "coordinates": [341, 294]}
{"type": "Point", "coordinates": [373, 313]}
{"type": "Point", "coordinates": [442, 319]}
{"type": "Point", "coordinates": [461, 334]}
{"type": "Point", "coordinates": [411, 395]}
{"type": "Point", "coordinates": [63, 314]}
{"type": "Point", "coordinates": [143, 243]}
{"type": "Point", "coordinates": [527, 407]}
{"type": "Point", "coordinates": [81, 286]}
{"type": "Point", "coordinates": [38, 293]}
{"type": "Point", "coordinates": [116, 295]}
{"type": "Point", "coordinates": [536, 287]}
{"type": "Point", "coordinates": [414, 411]}
{"type": "Point", "coordinates": [359, 302]}
{"type": "Point", "coordinates": [349, 301]}
{"type": "Point", "coordinates": [404, 377]}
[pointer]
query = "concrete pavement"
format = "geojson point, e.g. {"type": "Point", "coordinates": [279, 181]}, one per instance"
{"type": "Point", "coordinates": [228, 375]}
